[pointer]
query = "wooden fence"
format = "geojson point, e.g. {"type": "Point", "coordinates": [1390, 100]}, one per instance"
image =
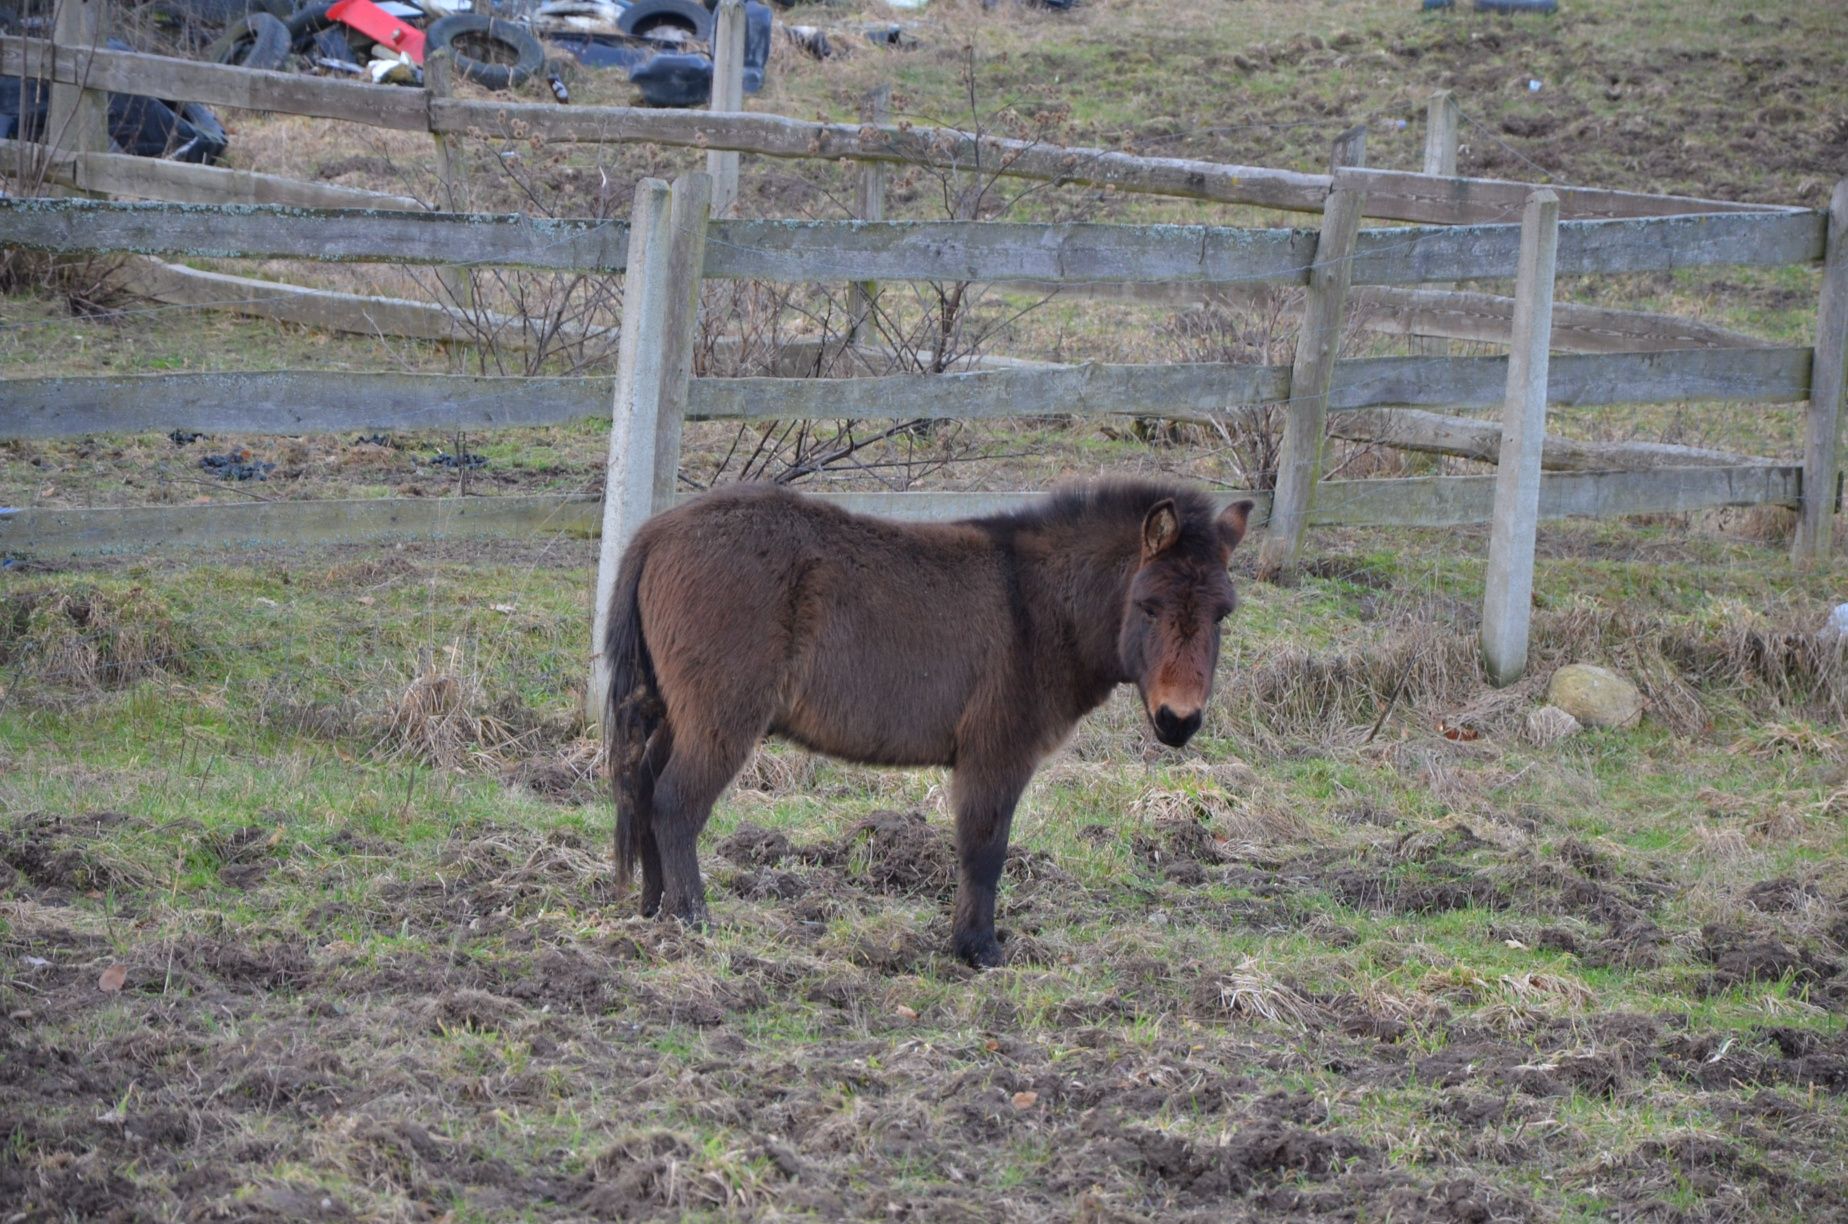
{"type": "Point", "coordinates": [1462, 229]}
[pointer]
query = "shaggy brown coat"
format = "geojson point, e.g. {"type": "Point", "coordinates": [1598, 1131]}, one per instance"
{"type": "Point", "coordinates": [976, 645]}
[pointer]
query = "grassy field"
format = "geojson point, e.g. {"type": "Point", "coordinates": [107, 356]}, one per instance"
{"type": "Point", "coordinates": [305, 895]}
{"type": "Point", "coordinates": [330, 817]}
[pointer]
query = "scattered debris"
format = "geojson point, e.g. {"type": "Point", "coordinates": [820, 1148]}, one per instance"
{"type": "Point", "coordinates": [183, 437]}
{"type": "Point", "coordinates": [237, 465]}
{"type": "Point", "coordinates": [464, 461]}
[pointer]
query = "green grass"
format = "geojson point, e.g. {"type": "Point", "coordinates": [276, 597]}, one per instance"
{"type": "Point", "coordinates": [458, 933]}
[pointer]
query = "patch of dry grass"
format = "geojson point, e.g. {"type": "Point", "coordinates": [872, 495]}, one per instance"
{"type": "Point", "coordinates": [91, 636]}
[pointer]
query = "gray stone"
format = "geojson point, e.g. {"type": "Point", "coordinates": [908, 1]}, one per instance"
{"type": "Point", "coordinates": [1596, 696]}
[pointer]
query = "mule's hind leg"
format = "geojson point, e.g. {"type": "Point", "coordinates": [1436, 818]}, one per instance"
{"type": "Point", "coordinates": [684, 793]}
{"type": "Point", "coordinates": [985, 799]}
{"type": "Point", "coordinates": [660, 748]}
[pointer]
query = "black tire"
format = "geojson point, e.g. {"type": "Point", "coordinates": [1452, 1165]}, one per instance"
{"type": "Point", "coordinates": [488, 51]}
{"type": "Point", "coordinates": [645, 17]}
{"type": "Point", "coordinates": [307, 21]}
{"type": "Point", "coordinates": [205, 139]}
{"type": "Point", "coordinates": [257, 41]}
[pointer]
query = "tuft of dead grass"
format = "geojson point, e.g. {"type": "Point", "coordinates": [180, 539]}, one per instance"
{"type": "Point", "coordinates": [1761, 664]}
{"type": "Point", "coordinates": [1250, 992]}
{"type": "Point", "coordinates": [1203, 798]}
{"type": "Point", "coordinates": [441, 716]}
{"type": "Point", "coordinates": [91, 637]}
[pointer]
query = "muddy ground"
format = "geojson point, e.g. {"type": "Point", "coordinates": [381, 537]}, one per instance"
{"type": "Point", "coordinates": [254, 1063]}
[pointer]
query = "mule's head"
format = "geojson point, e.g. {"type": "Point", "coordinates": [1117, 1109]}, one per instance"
{"type": "Point", "coordinates": [1169, 643]}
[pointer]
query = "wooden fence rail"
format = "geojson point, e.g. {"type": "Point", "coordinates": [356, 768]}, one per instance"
{"type": "Point", "coordinates": [1390, 195]}
{"type": "Point", "coordinates": [1447, 501]}
{"type": "Point", "coordinates": [808, 251]}
{"type": "Point", "coordinates": [316, 401]}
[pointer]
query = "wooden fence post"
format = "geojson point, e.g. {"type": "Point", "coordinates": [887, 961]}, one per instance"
{"type": "Point", "coordinates": [691, 209]}
{"type": "Point", "coordinates": [1828, 373]}
{"type": "Point", "coordinates": [1507, 603]}
{"type": "Point", "coordinates": [870, 206]}
{"type": "Point", "coordinates": [1299, 458]}
{"type": "Point", "coordinates": [1442, 118]}
{"type": "Point", "coordinates": [1442, 115]}
{"type": "Point", "coordinates": [727, 95]}
{"type": "Point", "coordinates": [439, 66]}
{"type": "Point", "coordinates": [654, 362]}
{"type": "Point", "coordinates": [76, 118]}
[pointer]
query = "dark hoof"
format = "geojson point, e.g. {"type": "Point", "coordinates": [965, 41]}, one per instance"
{"type": "Point", "coordinates": [650, 906]}
{"type": "Point", "coordinates": [692, 917]}
{"type": "Point", "coordinates": [980, 951]}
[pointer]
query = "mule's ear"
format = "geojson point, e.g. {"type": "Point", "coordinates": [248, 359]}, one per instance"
{"type": "Point", "coordinates": [1231, 523]}
{"type": "Point", "coordinates": [1160, 528]}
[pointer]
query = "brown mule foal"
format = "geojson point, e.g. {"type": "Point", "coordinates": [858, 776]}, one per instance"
{"type": "Point", "coordinates": [751, 611]}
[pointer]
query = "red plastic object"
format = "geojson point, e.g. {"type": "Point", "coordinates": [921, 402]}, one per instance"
{"type": "Point", "coordinates": [380, 26]}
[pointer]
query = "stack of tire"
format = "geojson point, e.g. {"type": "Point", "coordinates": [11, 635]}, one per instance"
{"type": "Point", "coordinates": [490, 51]}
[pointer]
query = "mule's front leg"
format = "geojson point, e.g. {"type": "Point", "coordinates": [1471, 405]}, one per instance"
{"type": "Point", "coordinates": [985, 800]}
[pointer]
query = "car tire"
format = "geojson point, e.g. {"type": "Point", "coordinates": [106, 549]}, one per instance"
{"type": "Point", "coordinates": [644, 17]}
{"type": "Point", "coordinates": [259, 40]}
{"type": "Point", "coordinates": [473, 38]}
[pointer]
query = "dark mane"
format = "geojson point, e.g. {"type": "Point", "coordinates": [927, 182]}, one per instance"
{"type": "Point", "coordinates": [1122, 502]}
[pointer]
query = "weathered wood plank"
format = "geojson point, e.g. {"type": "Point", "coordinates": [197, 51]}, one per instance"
{"type": "Point", "coordinates": [303, 401]}
{"type": "Point", "coordinates": [1305, 434]}
{"type": "Point", "coordinates": [777, 136]}
{"type": "Point", "coordinates": [1489, 318]}
{"type": "Point", "coordinates": [1392, 195]}
{"type": "Point", "coordinates": [328, 235]}
{"type": "Point", "coordinates": [154, 178]}
{"type": "Point", "coordinates": [386, 106]}
{"type": "Point", "coordinates": [727, 94]}
{"type": "Point", "coordinates": [290, 402]}
{"type": "Point", "coordinates": [77, 119]}
{"type": "Point", "coordinates": [807, 251]}
{"type": "Point", "coordinates": [1508, 586]}
{"type": "Point", "coordinates": [1456, 501]}
{"type": "Point", "coordinates": [1822, 424]}
{"type": "Point", "coordinates": [644, 366]}
{"type": "Point", "coordinates": [1645, 244]}
{"type": "Point", "coordinates": [137, 529]}
{"type": "Point", "coordinates": [1407, 196]}
{"type": "Point", "coordinates": [1467, 438]}
{"type": "Point", "coordinates": [1445, 501]}
{"type": "Point", "coordinates": [327, 309]}
{"type": "Point", "coordinates": [1196, 391]}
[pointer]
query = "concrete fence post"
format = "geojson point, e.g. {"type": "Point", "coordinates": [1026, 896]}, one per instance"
{"type": "Point", "coordinates": [1507, 603]}
{"type": "Point", "coordinates": [1305, 429]}
{"type": "Point", "coordinates": [727, 95]}
{"type": "Point", "coordinates": [1828, 374]}
{"type": "Point", "coordinates": [654, 362]}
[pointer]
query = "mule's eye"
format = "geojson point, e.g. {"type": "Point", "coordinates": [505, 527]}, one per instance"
{"type": "Point", "coordinates": [1148, 607]}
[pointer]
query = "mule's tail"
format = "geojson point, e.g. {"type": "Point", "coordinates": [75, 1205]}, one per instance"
{"type": "Point", "coordinates": [632, 713]}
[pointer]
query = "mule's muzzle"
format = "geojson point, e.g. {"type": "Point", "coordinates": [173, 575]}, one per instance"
{"type": "Point", "coordinates": [1174, 729]}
